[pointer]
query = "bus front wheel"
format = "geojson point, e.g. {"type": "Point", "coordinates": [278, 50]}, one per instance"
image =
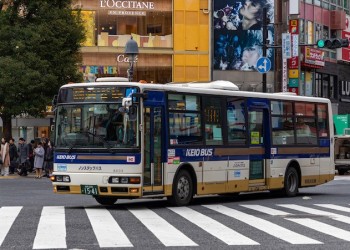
{"type": "Point", "coordinates": [106, 200]}
{"type": "Point", "coordinates": [182, 192]}
{"type": "Point", "coordinates": [291, 182]}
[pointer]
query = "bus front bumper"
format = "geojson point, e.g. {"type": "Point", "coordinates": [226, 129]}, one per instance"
{"type": "Point", "coordinates": [120, 185]}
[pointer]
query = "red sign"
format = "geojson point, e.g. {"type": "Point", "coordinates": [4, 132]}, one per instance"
{"type": "Point", "coordinates": [294, 26]}
{"type": "Point", "coordinates": [345, 52]}
{"type": "Point", "coordinates": [314, 57]}
{"type": "Point", "coordinates": [294, 90]}
{"type": "Point", "coordinates": [293, 63]}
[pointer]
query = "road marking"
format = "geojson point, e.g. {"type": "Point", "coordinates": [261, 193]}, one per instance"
{"type": "Point", "coordinates": [7, 217]}
{"type": "Point", "coordinates": [163, 230]}
{"type": "Point", "coordinates": [323, 228]}
{"type": "Point", "coordinates": [107, 230]}
{"type": "Point", "coordinates": [310, 223]}
{"type": "Point", "coordinates": [51, 232]}
{"type": "Point", "coordinates": [264, 225]}
{"type": "Point", "coordinates": [335, 207]}
{"type": "Point", "coordinates": [266, 210]}
{"type": "Point", "coordinates": [333, 216]}
{"type": "Point", "coordinates": [213, 227]}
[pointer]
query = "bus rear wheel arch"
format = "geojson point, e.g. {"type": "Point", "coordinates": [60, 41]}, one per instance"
{"type": "Point", "coordinates": [183, 189]}
{"type": "Point", "coordinates": [106, 200]}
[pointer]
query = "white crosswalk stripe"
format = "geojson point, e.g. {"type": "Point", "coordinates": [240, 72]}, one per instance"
{"type": "Point", "coordinates": [109, 230]}
{"type": "Point", "coordinates": [264, 225]}
{"type": "Point", "coordinates": [7, 217]}
{"type": "Point", "coordinates": [164, 231]}
{"type": "Point", "coordinates": [307, 222]}
{"type": "Point", "coordinates": [323, 228]}
{"type": "Point", "coordinates": [335, 207]}
{"type": "Point", "coordinates": [51, 232]}
{"type": "Point", "coordinates": [313, 211]}
{"type": "Point", "coordinates": [108, 234]}
{"type": "Point", "coordinates": [227, 235]}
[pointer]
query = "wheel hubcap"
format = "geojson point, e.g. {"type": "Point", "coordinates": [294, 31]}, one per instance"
{"type": "Point", "coordinates": [183, 188]}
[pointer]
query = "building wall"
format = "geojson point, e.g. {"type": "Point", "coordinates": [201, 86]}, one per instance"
{"type": "Point", "coordinates": [173, 40]}
{"type": "Point", "coordinates": [191, 41]}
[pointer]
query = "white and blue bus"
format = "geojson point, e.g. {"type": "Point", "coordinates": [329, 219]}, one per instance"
{"type": "Point", "coordinates": [122, 140]}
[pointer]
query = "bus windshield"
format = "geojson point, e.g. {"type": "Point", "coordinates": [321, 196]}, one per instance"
{"type": "Point", "coordinates": [96, 125]}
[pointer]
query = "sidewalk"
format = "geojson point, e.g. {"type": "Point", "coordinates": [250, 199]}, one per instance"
{"type": "Point", "coordinates": [16, 176]}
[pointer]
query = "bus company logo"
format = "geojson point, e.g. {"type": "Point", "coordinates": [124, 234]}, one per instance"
{"type": "Point", "coordinates": [130, 159]}
{"type": "Point", "coordinates": [199, 152]}
{"type": "Point", "coordinates": [66, 157]}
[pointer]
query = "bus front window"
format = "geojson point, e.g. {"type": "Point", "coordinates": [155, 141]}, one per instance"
{"type": "Point", "coordinates": [96, 126]}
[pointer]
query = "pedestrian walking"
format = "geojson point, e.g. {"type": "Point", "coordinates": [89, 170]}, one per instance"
{"type": "Point", "coordinates": [13, 156]}
{"type": "Point", "coordinates": [5, 157]}
{"type": "Point", "coordinates": [39, 154]}
{"type": "Point", "coordinates": [23, 156]}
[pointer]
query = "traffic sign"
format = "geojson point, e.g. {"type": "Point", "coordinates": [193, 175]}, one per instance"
{"type": "Point", "coordinates": [263, 64]}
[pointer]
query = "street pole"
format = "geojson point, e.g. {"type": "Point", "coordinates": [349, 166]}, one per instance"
{"type": "Point", "coordinates": [131, 50]}
{"type": "Point", "coordinates": [264, 47]}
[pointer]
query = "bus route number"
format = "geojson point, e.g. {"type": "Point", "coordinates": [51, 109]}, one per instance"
{"type": "Point", "coordinates": [89, 189]}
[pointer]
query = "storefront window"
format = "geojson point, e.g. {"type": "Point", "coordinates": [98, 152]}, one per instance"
{"type": "Point", "coordinates": [318, 84]}
{"type": "Point", "coordinates": [110, 24]}
{"type": "Point", "coordinates": [150, 23]}
{"type": "Point", "coordinates": [325, 85]}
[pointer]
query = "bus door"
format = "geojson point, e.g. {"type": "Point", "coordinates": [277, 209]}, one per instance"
{"type": "Point", "coordinates": [259, 141]}
{"type": "Point", "coordinates": [153, 148]}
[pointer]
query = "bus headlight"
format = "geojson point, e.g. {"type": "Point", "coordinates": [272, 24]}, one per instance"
{"type": "Point", "coordinates": [114, 180]}
{"type": "Point", "coordinates": [60, 178]}
{"type": "Point", "coordinates": [124, 180]}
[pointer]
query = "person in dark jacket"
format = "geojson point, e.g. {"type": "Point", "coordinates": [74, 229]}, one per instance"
{"type": "Point", "coordinates": [13, 156]}
{"type": "Point", "coordinates": [23, 156]}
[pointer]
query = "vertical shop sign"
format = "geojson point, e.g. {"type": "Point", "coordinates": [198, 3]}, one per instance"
{"type": "Point", "coordinates": [286, 45]}
{"type": "Point", "coordinates": [284, 75]}
{"type": "Point", "coordinates": [293, 64]}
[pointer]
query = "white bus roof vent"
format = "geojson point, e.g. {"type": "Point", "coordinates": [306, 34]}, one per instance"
{"type": "Point", "coordinates": [112, 79]}
{"type": "Point", "coordinates": [223, 85]}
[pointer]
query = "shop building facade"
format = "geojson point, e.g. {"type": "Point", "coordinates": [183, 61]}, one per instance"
{"type": "Point", "coordinates": [311, 72]}
{"type": "Point", "coordinates": [172, 36]}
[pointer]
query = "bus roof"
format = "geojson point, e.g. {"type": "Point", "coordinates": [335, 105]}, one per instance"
{"type": "Point", "coordinates": [213, 88]}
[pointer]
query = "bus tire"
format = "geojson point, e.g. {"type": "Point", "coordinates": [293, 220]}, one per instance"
{"type": "Point", "coordinates": [182, 192]}
{"type": "Point", "coordinates": [106, 200]}
{"type": "Point", "coordinates": [291, 182]}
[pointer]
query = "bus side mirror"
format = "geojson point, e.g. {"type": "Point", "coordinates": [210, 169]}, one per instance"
{"type": "Point", "coordinates": [133, 113]}
{"type": "Point", "coordinates": [54, 101]}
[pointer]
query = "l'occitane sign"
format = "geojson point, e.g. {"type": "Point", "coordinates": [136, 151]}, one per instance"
{"type": "Point", "coordinates": [139, 5]}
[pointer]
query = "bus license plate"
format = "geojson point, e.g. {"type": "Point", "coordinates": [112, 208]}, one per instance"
{"type": "Point", "coordinates": [89, 189]}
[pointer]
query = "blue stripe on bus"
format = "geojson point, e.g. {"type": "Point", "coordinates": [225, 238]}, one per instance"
{"type": "Point", "coordinates": [98, 158]}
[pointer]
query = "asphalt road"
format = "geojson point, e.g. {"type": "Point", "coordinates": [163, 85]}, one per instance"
{"type": "Point", "coordinates": [33, 217]}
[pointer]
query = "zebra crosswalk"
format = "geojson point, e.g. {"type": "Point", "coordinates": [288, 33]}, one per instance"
{"type": "Point", "coordinates": [56, 227]}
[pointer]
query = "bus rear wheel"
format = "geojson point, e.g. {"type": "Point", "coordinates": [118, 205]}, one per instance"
{"type": "Point", "coordinates": [291, 182]}
{"type": "Point", "coordinates": [106, 200]}
{"type": "Point", "coordinates": [182, 192]}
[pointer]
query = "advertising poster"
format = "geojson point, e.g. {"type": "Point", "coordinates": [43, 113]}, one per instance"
{"type": "Point", "coordinates": [238, 33]}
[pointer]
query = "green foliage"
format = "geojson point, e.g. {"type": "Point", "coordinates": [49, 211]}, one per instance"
{"type": "Point", "coordinates": [39, 52]}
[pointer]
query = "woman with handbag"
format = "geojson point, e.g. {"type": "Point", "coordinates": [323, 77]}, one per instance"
{"type": "Point", "coordinates": [5, 157]}
{"type": "Point", "coordinates": [39, 154]}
